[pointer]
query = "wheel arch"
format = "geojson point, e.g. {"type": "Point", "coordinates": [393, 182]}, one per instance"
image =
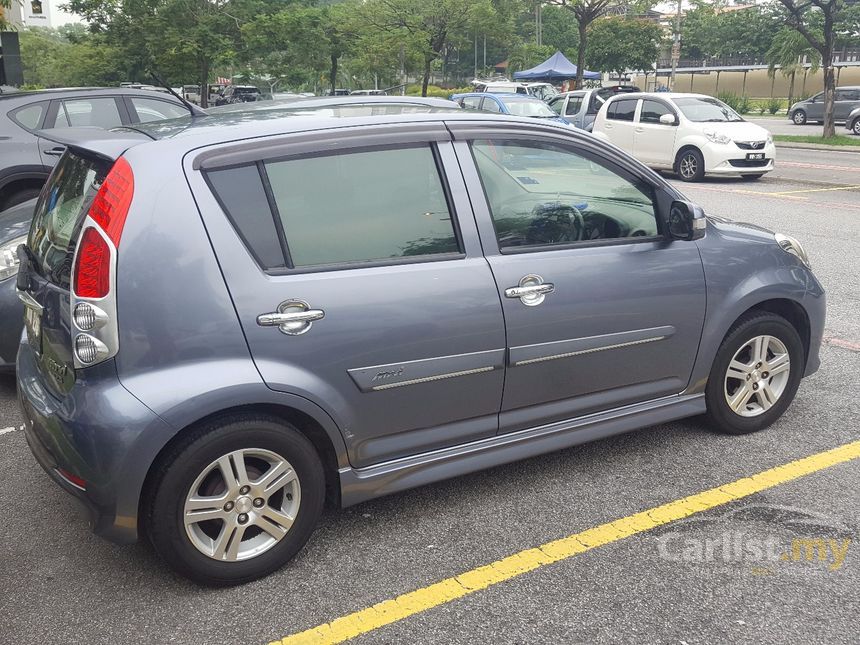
{"type": "Point", "coordinates": [684, 148]}
{"type": "Point", "coordinates": [311, 427]}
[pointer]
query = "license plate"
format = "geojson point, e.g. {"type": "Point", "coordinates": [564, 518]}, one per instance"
{"type": "Point", "coordinates": [33, 324]}
{"type": "Point", "coordinates": [755, 155]}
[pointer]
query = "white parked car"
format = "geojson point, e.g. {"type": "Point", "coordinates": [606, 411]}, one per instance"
{"type": "Point", "coordinates": [690, 134]}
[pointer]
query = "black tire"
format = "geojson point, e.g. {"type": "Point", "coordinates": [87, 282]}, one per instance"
{"type": "Point", "coordinates": [720, 415]}
{"type": "Point", "coordinates": [205, 444]}
{"type": "Point", "coordinates": [20, 197]}
{"type": "Point", "coordinates": [752, 177]}
{"type": "Point", "coordinates": [690, 165]}
{"type": "Point", "coordinates": [855, 127]}
{"type": "Point", "coordinates": [799, 117]}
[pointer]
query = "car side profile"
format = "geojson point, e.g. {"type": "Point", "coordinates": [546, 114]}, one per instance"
{"type": "Point", "coordinates": [692, 135]}
{"type": "Point", "coordinates": [506, 103]}
{"type": "Point", "coordinates": [220, 338]}
{"type": "Point", "coordinates": [26, 158]}
{"type": "Point", "coordinates": [811, 110]}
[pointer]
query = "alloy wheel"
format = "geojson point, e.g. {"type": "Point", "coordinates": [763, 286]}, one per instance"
{"type": "Point", "coordinates": [799, 117]}
{"type": "Point", "coordinates": [757, 376]}
{"type": "Point", "coordinates": [688, 166]}
{"type": "Point", "coordinates": [856, 127]}
{"type": "Point", "coordinates": [242, 504]}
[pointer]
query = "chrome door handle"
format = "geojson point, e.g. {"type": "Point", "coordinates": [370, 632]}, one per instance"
{"type": "Point", "coordinates": [531, 290]}
{"type": "Point", "coordinates": [293, 317]}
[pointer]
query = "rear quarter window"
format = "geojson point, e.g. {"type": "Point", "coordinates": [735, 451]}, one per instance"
{"type": "Point", "coordinates": [30, 116]}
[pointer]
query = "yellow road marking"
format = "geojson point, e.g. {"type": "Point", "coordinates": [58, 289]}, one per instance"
{"type": "Point", "coordinates": [814, 190]}
{"type": "Point", "coordinates": [396, 609]}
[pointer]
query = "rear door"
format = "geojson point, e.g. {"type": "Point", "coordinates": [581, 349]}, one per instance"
{"type": "Point", "coordinates": [846, 100]}
{"type": "Point", "coordinates": [619, 125]}
{"type": "Point", "coordinates": [601, 310]}
{"type": "Point", "coordinates": [359, 282]}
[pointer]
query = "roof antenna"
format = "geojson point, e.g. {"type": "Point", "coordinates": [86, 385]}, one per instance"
{"type": "Point", "coordinates": [193, 109]}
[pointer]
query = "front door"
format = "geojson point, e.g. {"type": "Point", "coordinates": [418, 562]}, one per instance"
{"type": "Point", "coordinates": [601, 309]}
{"type": "Point", "coordinates": [360, 288]}
{"type": "Point", "coordinates": [654, 142]}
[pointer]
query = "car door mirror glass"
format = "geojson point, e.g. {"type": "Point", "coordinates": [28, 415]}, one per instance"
{"type": "Point", "coordinates": [686, 221]}
{"type": "Point", "coordinates": [667, 119]}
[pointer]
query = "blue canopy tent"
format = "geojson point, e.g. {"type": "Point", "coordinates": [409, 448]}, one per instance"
{"type": "Point", "coordinates": [554, 68]}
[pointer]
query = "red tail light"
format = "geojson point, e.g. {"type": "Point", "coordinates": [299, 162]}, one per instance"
{"type": "Point", "coordinates": [111, 204]}
{"type": "Point", "coordinates": [92, 266]}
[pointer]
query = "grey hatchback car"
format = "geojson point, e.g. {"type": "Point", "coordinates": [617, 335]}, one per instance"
{"type": "Point", "coordinates": [231, 321]}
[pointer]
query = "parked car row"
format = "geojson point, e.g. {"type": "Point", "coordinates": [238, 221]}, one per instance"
{"type": "Point", "coordinates": [846, 108]}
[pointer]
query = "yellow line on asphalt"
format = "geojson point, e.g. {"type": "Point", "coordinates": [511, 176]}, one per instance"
{"type": "Point", "coordinates": [814, 190]}
{"type": "Point", "coordinates": [396, 609]}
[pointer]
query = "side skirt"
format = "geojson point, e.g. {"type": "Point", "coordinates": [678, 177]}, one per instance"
{"type": "Point", "coordinates": [361, 484]}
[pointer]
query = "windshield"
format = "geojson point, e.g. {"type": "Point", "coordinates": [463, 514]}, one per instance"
{"type": "Point", "coordinates": [705, 109]}
{"type": "Point", "coordinates": [535, 108]}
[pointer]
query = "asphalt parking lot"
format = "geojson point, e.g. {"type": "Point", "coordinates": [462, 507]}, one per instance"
{"type": "Point", "coordinates": [691, 580]}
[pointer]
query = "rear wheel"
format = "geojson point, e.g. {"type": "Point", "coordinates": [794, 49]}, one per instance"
{"type": "Point", "coordinates": [799, 117]}
{"type": "Point", "coordinates": [690, 165]}
{"type": "Point", "coordinates": [855, 127]}
{"type": "Point", "coordinates": [755, 374]}
{"type": "Point", "coordinates": [236, 500]}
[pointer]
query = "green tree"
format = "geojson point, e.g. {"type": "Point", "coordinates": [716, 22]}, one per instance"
{"type": "Point", "coordinates": [787, 52]}
{"type": "Point", "coordinates": [431, 26]}
{"type": "Point", "coordinates": [823, 23]}
{"type": "Point", "coordinates": [617, 44]}
{"type": "Point", "coordinates": [585, 12]}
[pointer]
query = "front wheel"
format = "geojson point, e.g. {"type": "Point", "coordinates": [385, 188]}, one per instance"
{"type": "Point", "coordinates": [799, 117]}
{"type": "Point", "coordinates": [235, 500]}
{"type": "Point", "coordinates": [755, 374]}
{"type": "Point", "coordinates": [691, 165]}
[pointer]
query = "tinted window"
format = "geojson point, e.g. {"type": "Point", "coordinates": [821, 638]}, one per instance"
{"type": "Point", "coordinates": [621, 110]}
{"type": "Point", "coordinates": [30, 116]}
{"type": "Point", "coordinates": [61, 207]}
{"type": "Point", "coordinates": [490, 105]}
{"type": "Point", "coordinates": [652, 111]}
{"type": "Point", "coordinates": [540, 194]}
{"type": "Point", "coordinates": [573, 105]}
{"type": "Point", "coordinates": [155, 110]}
{"type": "Point", "coordinates": [848, 95]}
{"type": "Point", "coordinates": [99, 113]}
{"type": "Point", "coordinates": [362, 206]}
{"type": "Point", "coordinates": [241, 193]}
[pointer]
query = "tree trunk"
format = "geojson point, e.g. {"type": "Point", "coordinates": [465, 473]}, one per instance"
{"type": "Point", "coordinates": [333, 73]}
{"type": "Point", "coordinates": [204, 83]}
{"type": "Point", "coordinates": [428, 60]}
{"type": "Point", "coordinates": [791, 89]}
{"type": "Point", "coordinates": [829, 76]}
{"type": "Point", "coordinates": [580, 53]}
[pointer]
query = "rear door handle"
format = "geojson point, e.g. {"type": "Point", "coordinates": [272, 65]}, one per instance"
{"type": "Point", "coordinates": [293, 317]}
{"type": "Point", "coordinates": [54, 152]}
{"type": "Point", "coordinates": [640, 130]}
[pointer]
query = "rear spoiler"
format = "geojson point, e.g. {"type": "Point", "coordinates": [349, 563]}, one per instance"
{"type": "Point", "coordinates": [106, 144]}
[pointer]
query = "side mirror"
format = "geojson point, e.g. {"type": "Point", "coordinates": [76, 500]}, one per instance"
{"type": "Point", "coordinates": [667, 119]}
{"type": "Point", "coordinates": [686, 221]}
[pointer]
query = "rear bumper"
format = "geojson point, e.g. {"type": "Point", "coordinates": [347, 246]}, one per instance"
{"type": "Point", "coordinates": [11, 324]}
{"type": "Point", "coordinates": [96, 433]}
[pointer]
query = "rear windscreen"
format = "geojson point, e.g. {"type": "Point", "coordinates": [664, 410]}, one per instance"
{"type": "Point", "coordinates": [61, 208]}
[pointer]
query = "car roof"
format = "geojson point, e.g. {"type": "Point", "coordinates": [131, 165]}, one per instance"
{"type": "Point", "coordinates": [189, 133]}
{"type": "Point", "coordinates": [32, 96]}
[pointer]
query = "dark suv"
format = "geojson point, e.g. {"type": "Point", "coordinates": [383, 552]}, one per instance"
{"type": "Point", "coordinates": [231, 320]}
{"type": "Point", "coordinates": [26, 159]}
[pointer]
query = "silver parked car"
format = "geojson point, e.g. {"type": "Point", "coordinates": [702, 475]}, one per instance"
{"type": "Point", "coordinates": [580, 107]}
{"type": "Point", "coordinates": [231, 320]}
{"type": "Point", "coordinates": [812, 109]}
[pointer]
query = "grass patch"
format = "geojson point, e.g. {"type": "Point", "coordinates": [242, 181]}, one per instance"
{"type": "Point", "coordinates": [838, 140]}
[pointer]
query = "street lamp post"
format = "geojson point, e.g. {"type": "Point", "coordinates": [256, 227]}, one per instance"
{"type": "Point", "coordinates": [676, 46]}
